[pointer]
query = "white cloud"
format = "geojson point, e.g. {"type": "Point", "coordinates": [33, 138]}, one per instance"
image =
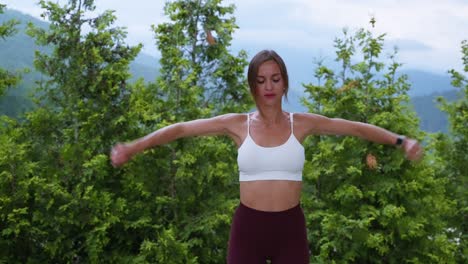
{"type": "Point", "coordinates": [23, 6]}
{"type": "Point", "coordinates": [433, 24]}
{"type": "Point", "coordinates": [342, 12]}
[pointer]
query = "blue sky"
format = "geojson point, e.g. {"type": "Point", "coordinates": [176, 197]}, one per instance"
{"type": "Point", "coordinates": [428, 33]}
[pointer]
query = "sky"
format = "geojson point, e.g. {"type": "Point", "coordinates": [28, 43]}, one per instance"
{"type": "Point", "coordinates": [428, 33]}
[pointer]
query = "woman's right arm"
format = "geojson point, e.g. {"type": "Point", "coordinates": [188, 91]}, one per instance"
{"type": "Point", "coordinates": [219, 125]}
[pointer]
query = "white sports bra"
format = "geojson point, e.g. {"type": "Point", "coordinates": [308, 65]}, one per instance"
{"type": "Point", "coordinates": [283, 162]}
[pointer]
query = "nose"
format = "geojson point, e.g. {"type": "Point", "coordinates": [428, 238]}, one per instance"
{"type": "Point", "coordinates": [268, 86]}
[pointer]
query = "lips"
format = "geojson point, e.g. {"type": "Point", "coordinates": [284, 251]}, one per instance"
{"type": "Point", "coordinates": [269, 95]}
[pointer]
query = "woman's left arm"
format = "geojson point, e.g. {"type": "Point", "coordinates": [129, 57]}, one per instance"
{"type": "Point", "coordinates": [321, 125]}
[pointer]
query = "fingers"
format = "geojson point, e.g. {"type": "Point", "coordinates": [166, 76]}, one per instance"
{"type": "Point", "coordinates": [413, 150]}
{"type": "Point", "coordinates": [113, 156]}
{"type": "Point", "coordinates": [118, 155]}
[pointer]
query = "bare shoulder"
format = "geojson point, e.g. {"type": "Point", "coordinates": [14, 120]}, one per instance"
{"type": "Point", "coordinates": [307, 117]}
{"type": "Point", "coordinates": [309, 122]}
{"type": "Point", "coordinates": [231, 121]}
{"type": "Point", "coordinates": [235, 125]}
{"type": "Point", "coordinates": [232, 117]}
{"type": "Point", "coordinates": [314, 124]}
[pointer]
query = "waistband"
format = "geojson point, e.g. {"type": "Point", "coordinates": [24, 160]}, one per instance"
{"type": "Point", "coordinates": [260, 212]}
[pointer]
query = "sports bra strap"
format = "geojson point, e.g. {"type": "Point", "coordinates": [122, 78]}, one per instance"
{"type": "Point", "coordinates": [291, 119]}
{"type": "Point", "coordinates": [248, 123]}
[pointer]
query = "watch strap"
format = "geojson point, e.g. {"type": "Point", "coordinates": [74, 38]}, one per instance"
{"type": "Point", "coordinates": [399, 141]}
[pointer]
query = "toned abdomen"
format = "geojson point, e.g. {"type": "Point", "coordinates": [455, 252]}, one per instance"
{"type": "Point", "coordinates": [270, 195]}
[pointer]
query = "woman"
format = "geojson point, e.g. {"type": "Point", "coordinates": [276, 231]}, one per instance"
{"type": "Point", "coordinates": [269, 222]}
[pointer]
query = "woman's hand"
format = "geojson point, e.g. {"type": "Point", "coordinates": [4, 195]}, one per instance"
{"type": "Point", "coordinates": [120, 154]}
{"type": "Point", "coordinates": [412, 149]}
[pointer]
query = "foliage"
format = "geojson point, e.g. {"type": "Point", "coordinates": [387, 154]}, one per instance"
{"type": "Point", "coordinates": [195, 182]}
{"type": "Point", "coordinates": [357, 213]}
{"type": "Point", "coordinates": [67, 202]}
{"type": "Point", "coordinates": [452, 157]}
{"type": "Point", "coordinates": [7, 79]}
{"type": "Point", "coordinates": [7, 28]}
{"type": "Point", "coordinates": [61, 201]}
{"type": "Point", "coordinates": [191, 65]}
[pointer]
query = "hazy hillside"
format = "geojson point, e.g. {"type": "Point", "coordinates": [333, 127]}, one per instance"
{"type": "Point", "coordinates": [17, 52]}
{"type": "Point", "coordinates": [145, 66]}
{"type": "Point", "coordinates": [426, 83]}
{"type": "Point", "coordinates": [432, 119]}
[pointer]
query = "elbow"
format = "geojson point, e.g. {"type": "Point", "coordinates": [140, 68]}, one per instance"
{"type": "Point", "coordinates": [179, 130]}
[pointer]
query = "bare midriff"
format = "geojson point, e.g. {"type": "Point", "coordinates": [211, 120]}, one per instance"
{"type": "Point", "coordinates": [270, 195]}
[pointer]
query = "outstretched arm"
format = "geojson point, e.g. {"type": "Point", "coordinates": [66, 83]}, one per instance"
{"type": "Point", "coordinates": [317, 124]}
{"type": "Point", "coordinates": [219, 125]}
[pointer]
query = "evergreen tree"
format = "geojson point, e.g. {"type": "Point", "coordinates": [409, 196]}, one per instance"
{"type": "Point", "coordinates": [13, 166]}
{"type": "Point", "coordinates": [453, 158]}
{"type": "Point", "coordinates": [191, 183]}
{"type": "Point", "coordinates": [64, 199]}
{"type": "Point", "coordinates": [365, 203]}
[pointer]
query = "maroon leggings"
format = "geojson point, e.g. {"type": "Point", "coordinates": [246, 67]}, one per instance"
{"type": "Point", "coordinates": [257, 236]}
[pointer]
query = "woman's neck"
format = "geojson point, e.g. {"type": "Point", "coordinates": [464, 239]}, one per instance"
{"type": "Point", "coordinates": [270, 115]}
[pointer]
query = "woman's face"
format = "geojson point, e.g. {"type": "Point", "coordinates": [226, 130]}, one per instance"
{"type": "Point", "coordinates": [269, 84]}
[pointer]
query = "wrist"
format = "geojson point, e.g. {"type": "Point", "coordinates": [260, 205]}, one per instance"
{"type": "Point", "coordinates": [132, 149]}
{"type": "Point", "coordinates": [400, 140]}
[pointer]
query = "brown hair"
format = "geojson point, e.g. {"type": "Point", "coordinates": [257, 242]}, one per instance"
{"type": "Point", "coordinates": [259, 59]}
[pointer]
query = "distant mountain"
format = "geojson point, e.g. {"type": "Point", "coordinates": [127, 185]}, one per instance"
{"type": "Point", "coordinates": [431, 118]}
{"type": "Point", "coordinates": [17, 53]}
{"type": "Point", "coordinates": [144, 66]}
{"type": "Point", "coordinates": [426, 83]}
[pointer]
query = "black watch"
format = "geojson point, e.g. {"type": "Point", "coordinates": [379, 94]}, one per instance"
{"type": "Point", "coordinates": [399, 141]}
